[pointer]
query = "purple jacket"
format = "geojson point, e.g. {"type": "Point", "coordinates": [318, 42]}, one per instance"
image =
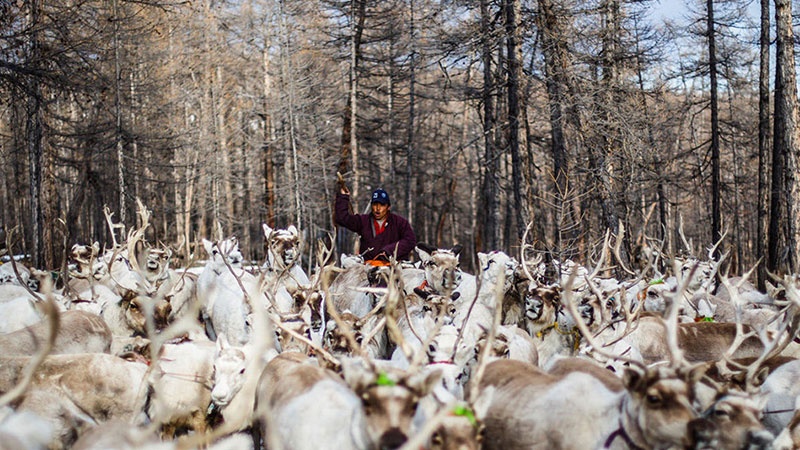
{"type": "Point", "coordinates": [397, 234]}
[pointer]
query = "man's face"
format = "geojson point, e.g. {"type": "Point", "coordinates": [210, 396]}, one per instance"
{"type": "Point", "coordinates": [380, 211]}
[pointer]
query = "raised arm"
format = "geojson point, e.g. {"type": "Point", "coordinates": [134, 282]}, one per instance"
{"type": "Point", "coordinates": [341, 211]}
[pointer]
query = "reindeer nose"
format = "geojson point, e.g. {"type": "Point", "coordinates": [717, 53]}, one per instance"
{"type": "Point", "coordinates": [759, 439]}
{"type": "Point", "coordinates": [703, 434]}
{"type": "Point", "coordinates": [392, 439]}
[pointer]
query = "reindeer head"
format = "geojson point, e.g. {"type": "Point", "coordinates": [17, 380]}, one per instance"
{"type": "Point", "coordinates": [463, 428]}
{"type": "Point", "coordinates": [308, 300]}
{"type": "Point", "coordinates": [230, 365]}
{"type": "Point", "coordinates": [700, 274]}
{"type": "Point", "coordinates": [283, 247]}
{"type": "Point", "coordinates": [156, 263]}
{"type": "Point", "coordinates": [8, 276]}
{"type": "Point", "coordinates": [336, 340]}
{"type": "Point", "coordinates": [737, 415]}
{"type": "Point", "coordinates": [441, 267]}
{"type": "Point", "coordinates": [567, 268]}
{"type": "Point", "coordinates": [223, 253]}
{"type": "Point", "coordinates": [660, 402]}
{"type": "Point", "coordinates": [438, 307]}
{"type": "Point", "coordinates": [389, 399]}
{"type": "Point", "coordinates": [492, 265]}
{"type": "Point", "coordinates": [540, 303]}
{"type": "Point", "coordinates": [84, 257]}
{"type": "Point", "coordinates": [289, 325]}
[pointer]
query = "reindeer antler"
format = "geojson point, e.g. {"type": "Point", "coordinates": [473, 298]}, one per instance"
{"type": "Point", "coordinates": [113, 226]}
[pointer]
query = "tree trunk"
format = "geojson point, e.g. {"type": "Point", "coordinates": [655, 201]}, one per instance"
{"type": "Point", "coordinates": [785, 135]}
{"type": "Point", "coordinates": [118, 114]}
{"type": "Point", "coordinates": [610, 133]}
{"type": "Point", "coordinates": [410, 142]}
{"type": "Point", "coordinates": [348, 156]}
{"type": "Point", "coordinates": [267, 150]}
{"type": "Point", "coordinates": [490, 189]}
{"type": "Point", "coordinates": [555, 60]}
{"type": "Point", "coordinates": [288, 77]}
{"type": "Point", "coordinates": [763, 146]}
{"type": "Point", "coordinates": [715, 169]}
{"type": "Point", "coordinates": [514, 71]}
{"type": "Point", "coordinates": [33, 133]}
{"type": "Point", "coordinates": [783, 186]}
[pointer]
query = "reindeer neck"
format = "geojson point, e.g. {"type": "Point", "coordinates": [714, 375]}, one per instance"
{"type": "Point", "coordinates": [629, 429]}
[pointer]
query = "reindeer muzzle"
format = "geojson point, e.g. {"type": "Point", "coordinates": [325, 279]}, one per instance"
{"type": "Point", "coordinates": [393, 438]}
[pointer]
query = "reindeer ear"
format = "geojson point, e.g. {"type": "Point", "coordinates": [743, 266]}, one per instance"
{"type": "Point", "coordinates": [633, 379]}
{"type": "Point", "coordinates": [760, 377]}
{"type": "Point", "coordinates": [483, 259]}
{"type": "Point", "coordinates": [457, 249]}
{"type": "Point", "coordinates": [209, 246]}
{"type": "Point", "coordinates": [427, 248]}
{"type": "Point", "coordinates": [422, 293]}
{"type": "Point", "coordinates": [423, 252]}
{"type": "Point", "coordinates": [267, 230]}
{"type": "Point", "coordinates": [356, 375]}
{"type": "Point", "coordinates": [292, 229]}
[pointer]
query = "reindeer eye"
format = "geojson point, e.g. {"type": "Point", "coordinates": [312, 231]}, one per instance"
{"type": "Point", "coordinates": [721, 413]}
{"type": "Point", "coordinates": [241, 371]}
{"type": "Point", "coordinates": [653, 400]}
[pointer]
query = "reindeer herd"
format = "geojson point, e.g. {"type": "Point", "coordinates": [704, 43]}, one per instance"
{"type": "Point", "coordinates": [130, 352]}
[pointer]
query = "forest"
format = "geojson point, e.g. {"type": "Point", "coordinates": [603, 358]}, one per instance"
{"type": "Point", "coordinates": [480, 118]}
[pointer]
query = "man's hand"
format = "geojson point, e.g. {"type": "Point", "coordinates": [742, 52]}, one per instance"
{"type": "Point", "coordinates": [342, 186]}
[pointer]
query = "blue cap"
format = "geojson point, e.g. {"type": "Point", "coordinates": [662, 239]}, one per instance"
{"type": "Point", "coordinates": [380, 196]}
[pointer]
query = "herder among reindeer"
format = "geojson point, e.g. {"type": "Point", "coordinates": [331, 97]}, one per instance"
{"type": "Point", "coordinates": [383, 233]}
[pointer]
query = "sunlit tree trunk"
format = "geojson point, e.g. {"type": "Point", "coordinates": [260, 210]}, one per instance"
{"type": "Point", "coordinates": [784, 188]}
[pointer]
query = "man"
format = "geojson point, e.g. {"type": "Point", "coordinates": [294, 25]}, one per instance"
{"type": "Point", "coordinates": [383, 233]}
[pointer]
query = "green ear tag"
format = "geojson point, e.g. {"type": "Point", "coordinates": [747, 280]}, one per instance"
{"type": "Point", "coordinates": [384, 380]}
{"type": "Point", "coordinates": [708, 319]}
{"type": "Point", "coordinates": [656, 281]}
{"type": "Point", "coordinates": [464, 411]}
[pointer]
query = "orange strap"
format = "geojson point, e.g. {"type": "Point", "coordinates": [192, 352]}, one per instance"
{"type": "Point", "coordinates": [376, 263]}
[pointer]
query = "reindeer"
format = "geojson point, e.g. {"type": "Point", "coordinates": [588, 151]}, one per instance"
{"type": "Point", "coordinates": [652, 411]}
{"type": "Point", "coordinates": [442, 274]}
{"type": "Point", "coordinates": [301, 406]}
{"type": "Point", "coordinates": [79, 332]}
{"type": "Point", "coordinates": [182, 387]}
{"type": "Point", "coordinates": [283, 273]}
{"type": "Point", "coordinates": [226, 290]}
{"type": "Point", "coordinates": [73, 390]}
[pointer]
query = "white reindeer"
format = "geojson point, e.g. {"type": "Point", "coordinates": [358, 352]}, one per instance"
{"type": "Point", "coordinates": [227, 290]}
